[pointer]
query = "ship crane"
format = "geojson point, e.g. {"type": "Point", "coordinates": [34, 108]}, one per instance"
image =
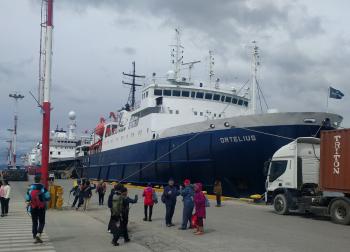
{"type": "Point", "coordinates": [190, 67]}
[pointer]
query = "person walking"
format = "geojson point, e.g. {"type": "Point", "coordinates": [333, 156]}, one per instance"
{"type": "Point", "coordinates": [6, 197]}
{"type": "Point", "coordinates": [116, 190]}
{"type": "Point", "coordinates": [36, 198]}
{"type": "Point", "coordinates": [116, 215]}
{"type": "Point", "coordinates": [75, 190]}
{"type": "Point", "coordinates": [218, 192]}
{"type": "Point", "coordinates": [2, 199]}
{"type": "Point", "coordinates": [101, 190]}
{"type": "Point", "coordinates": [200, 204]}
{"type": "Point", "coordinates": [87, 194]}
{"type": "Point", "coordinates": [125, 213]}
{"type": "Point", "coordinates": [187, 194]}
{"type": "Point", "coordinates": [169, 196]}
{"type": "Point", "coordinates": [149, 196]}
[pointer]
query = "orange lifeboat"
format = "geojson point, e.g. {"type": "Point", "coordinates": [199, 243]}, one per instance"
{"type": "Point", "coordinates": [100, 127]}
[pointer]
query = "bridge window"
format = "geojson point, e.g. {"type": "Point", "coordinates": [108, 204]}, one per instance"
{"type": "Point", "coordinates": [216, 97]}
{"type": "Point", "coordinates": [201, 113]}
{"type": "Point", "coordinates": [245, 103]}
{"type": "Point", "coordinates": [195, 113]}
{"type": "Point", "coordinates": [176, 112]}
{"type": "Point", "coordinates": [185, 93]}
{"type": "Point", "coordinates": [228, 99]}
{"type": "Point", "coordinates": [200, 95]}
{"type": "Point", "coordinates": [208, 96]}
{"type": "Point", "coordinates": [167, 92]}
{"type": "Point", "coordinates": [240, 102]}
{"type": "Point", "coordinates": [222, 98]}
{"type": "Point", "coordinates": [234, 100]}
{"type": "Point", "coordinates": [158, 92]}
{"type": "Point", "coordinates": [176, 92]}
{"type": "Point", "coordinates": [193, 93]}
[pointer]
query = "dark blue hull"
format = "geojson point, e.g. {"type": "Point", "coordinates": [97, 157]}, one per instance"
{"type": "Point", "coordinates": [236, 156]}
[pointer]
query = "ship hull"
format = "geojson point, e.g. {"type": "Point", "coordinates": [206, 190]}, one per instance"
{"type": "Point", "coordinates": [235, 155]}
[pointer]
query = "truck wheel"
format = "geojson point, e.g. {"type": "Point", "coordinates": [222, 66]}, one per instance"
{"type": "Point", "coordinates": [281, 204]}
{"type": "Point", "coordinates": [340, 212]}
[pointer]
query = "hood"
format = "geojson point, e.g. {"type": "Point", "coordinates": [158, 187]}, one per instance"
{"type": "Point", "coordinates": [198, 187]}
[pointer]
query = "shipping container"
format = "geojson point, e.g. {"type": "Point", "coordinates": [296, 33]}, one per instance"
{"type": "Point", "coordinates": [335, 161]}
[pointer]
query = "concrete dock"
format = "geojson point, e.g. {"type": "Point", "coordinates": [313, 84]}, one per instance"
{"type": "Point", "coordinates": [237, 226]}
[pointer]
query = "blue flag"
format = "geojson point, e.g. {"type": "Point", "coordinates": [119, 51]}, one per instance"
{"type": "Point", "coordinates": [335, 93]}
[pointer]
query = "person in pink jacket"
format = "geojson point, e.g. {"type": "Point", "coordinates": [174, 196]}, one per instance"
{"type": "Point", "coordinates": [149, 195]}
{"type": "Point", "coordinates": [199, 204]}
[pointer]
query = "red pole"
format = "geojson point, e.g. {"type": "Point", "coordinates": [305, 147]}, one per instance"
{"type": "Point", "coordinates": [46, 106]}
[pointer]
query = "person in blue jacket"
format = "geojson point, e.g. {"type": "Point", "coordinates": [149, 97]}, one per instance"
{"type": "Point", "coordinates": [187, 194]}
{"type": "Point", "coordinates": [36, 198]}
{"type": "Point", "coordinates": [169, 196]}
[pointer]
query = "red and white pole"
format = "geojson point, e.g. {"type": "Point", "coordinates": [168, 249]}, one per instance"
{"type": "Point", "coordinates": [46, 106]}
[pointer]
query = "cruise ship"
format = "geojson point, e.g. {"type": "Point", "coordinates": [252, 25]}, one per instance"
{"type": "Point", "coordinates": [198, 131]}
{"type": "Point", "coordinates": [63, 148]}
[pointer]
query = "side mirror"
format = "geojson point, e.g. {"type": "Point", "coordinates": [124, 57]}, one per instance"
{"type": "Point", "coordinates": [266, 167]}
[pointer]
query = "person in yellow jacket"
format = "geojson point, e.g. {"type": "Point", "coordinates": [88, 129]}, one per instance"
{"type": "Point", "coordinates": [218, 192]}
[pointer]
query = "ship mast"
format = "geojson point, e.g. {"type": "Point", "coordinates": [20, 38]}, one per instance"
{"type": "Point", "coordinates": [133, 84]}
{"type": "Point", "coordinates": [254, 82]}
{"type": "Point", "coordinates": [211, 67]}
{"type": "Point", "coordinates": [177, 54]}
{"type": "Point", "coordinates": [45, 86]}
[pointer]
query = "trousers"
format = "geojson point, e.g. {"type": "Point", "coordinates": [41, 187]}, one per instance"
{"type": "Point", "coordinates": [170, 208]}
{"type": "Point", "coordinates": [38, 220]}
{"type": "Point", "coordinates": [187, 214]}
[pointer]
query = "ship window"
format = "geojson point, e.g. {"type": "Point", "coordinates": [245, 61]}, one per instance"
{"type": "Point", "coordinates": [50, 152]}
{"type": "Point", "coordinates": [147, 94]}
{"type": "Point", "coordinates": [219, 115]}
{"type": "Point", "coordinates": [185, 93]}
{"type": "Point", "coordinates": [214, 115]}
{"type": "Point", "coordinates": [216, 97]}
{"type": "Point", "coordinates": [228, 99]}
{"type": "Point", "coordinates": [167, 92]}
{"type": "Point", "coordinates": [245, 103]}
{"type": "Point", "coordinates": [157, 92]}
{"type": "Point", "coordinates": [195, 112]}
{"type": "Point", "coordinates": [170, 111]}
{"type": "Point", "coordinates": [208, 96]}
{"type": "Point", "coordinates": [201, 113]}
{"type": "Point", "coordinates": [240, 102]}
{"type": "Point", "coordinates": [176, 92]}
{"type": "Point", "coordinates": [222, 98]}
{"type": "Point", "coordinates": [176, 112]}
{"type": "Point", "coordinates": [199, 95]}
{"type": "Point", "coordinates": [59, 153]}
{"type": "Point", "coordinates": [193, 94]}
{"type": "Point", "coordinates": [234, 100]}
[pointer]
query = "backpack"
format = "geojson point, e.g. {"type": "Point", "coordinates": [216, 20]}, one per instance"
{"type": "Point", "coordinates": [36, 199]}
{"type": "Point", "coordinates": [117, 205]}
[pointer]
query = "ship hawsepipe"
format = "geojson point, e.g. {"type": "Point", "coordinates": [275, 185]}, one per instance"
{"type": "Point", "coordinates": [232, 149]}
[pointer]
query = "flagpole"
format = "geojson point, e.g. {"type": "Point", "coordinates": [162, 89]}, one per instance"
{"type": "Point", "coordinates": [327, 99]}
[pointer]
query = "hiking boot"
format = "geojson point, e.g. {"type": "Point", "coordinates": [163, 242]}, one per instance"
{"type": "Point", "coordinates": [182, 228]}
{"type": "Point", "coordinates": [38, 239]}
{"type": "Point", "coordinates": [127, 240]}
{"type": "Point", "coordinates": [149, 219]}
{"type": "Point", "coordinates": [144, 219]}
{"type": "Point", "coordinates": [115, 243]}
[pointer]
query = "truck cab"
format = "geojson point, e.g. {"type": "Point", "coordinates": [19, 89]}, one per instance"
{"type": "Point", "coordinates": [293, 182]}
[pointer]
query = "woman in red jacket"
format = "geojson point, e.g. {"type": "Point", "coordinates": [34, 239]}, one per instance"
{"type": "Point", "coordinates": [199, 204]}
{"type": "Point", "coordinates": [149, 198]}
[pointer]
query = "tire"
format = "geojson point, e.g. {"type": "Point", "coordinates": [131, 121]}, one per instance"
{"type": "Point", "coordinates": [281, 204]}
{"type": "Point", "coordinates": [340, 212]}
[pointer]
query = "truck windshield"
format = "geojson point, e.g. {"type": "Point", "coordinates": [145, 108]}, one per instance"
{"type": "Point", "coordinates": [277, 168]}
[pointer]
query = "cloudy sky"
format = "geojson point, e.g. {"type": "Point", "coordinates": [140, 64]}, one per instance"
{"type": "Point", "coordinates": [305, 47]}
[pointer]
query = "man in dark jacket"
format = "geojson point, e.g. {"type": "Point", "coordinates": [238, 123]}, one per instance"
{"type": "Point", "coordinates": [169, 196]}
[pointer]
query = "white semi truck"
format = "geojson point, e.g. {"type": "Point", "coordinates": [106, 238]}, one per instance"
{"type": "Point", "coordinates": [300, 179]}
